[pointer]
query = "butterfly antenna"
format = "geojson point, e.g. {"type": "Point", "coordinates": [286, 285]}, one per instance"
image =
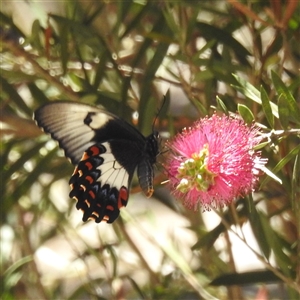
{"type": "Point", "coordinates": [160, 109]}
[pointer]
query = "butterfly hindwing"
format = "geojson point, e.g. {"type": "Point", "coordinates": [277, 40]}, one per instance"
{"type": "Point", "coordinates": [100, 184]}
{"type": "Point", "coordinates": [106, 150]}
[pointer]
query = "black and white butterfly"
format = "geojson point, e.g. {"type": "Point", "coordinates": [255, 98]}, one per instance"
{"type": "Point", "coordinates": [106, 151]}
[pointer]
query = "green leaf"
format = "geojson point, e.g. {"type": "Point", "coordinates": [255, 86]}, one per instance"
{"type": "Point", "coordinates": [14, 96]}
{"type": "Point", "coordinates": [64, 47]}
{"type": "Point", "coordinates": [19, 263]}
{"type": "Point", "coordinates": [35, 39]}
{"type": "Point", "coordinates": [295, 192]}
{"type": "Point", "coordinates": [221, 105]}
{"type": "Point", "coordinates": [276, 245]}
{"type": "Point", "coordinates": [286, 159]}
{"type": "Point", "coordinates": [11, 276]}
{"type": "Point", "coordinates": [210, 32]}
{"type": "Point", "coordinates": [33, 176]}
{"type": "Point", "coordinates": [261, 145]}
{"type": "Point", "coordinates": [100, 69]}
{"type": "Point", "coordinates": [140, 12]}
{"type": "Point", "coordinates": [136, 288]}
{"type": "Point", "coordinates": [19, 163]}
{"type": "Point", "coordinates": [246, 114]}
{"type": "Point", "coordinates": [203, 75]}
{"type": "Point", "coordinates": [37, 94]}
{"type": "Point", "coordinates": [249, 91]}
{"type": "Point", "coordinates": [251, 277]}
{"type": "Point", "coordinates": [266, 106]}
{"type": "Point", "coordinates": [270, 174]}
{"type": "Point", "coordinates": [283, 162]}
{"type": "Point", "coordinates": [150, 72]}
{"type": "Point", "coordinates": [290, 102]}
{"type": "Point", "coordinates": [284, 112]}
{"type": "Point", "coordinates": [257, 229]}
{"type": "Point", "coordinates": [208, 240]}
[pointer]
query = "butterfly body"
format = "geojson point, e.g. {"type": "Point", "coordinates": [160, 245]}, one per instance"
{"type": "Point", "coordinates": [106, 151]}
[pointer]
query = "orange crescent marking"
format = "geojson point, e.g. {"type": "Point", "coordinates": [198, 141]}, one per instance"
{"type": "Point", "coordinates": [123, 195]}
{"type": "Point", "coordinates": [105, 218]}
{"type": "Point", "coordinates": [89, 179]}
{"type": "Point", "coordinates": [109, 207]}
{"type": "Point", "coordinates": [92, 194]}
{"type": "Point", "coordinates": [87, 203]}
{"type": "Point", "coordinates": [95, 150]}
{"type": "Point", "coordinates": [89, 165]}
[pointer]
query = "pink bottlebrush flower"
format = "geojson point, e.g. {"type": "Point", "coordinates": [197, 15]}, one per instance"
{"type": "Point", "coordinates": [213, 162]}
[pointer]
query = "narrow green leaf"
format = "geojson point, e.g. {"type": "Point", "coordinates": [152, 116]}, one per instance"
{"type": "Point", "coordinates": [35, 39]}
{"type": "Point", "coordinates": [199, 106]}
{"type": "Point", "coordinates": [208, 239]}
{"type": "Point", "coordinates": [283, 162]}
{"type": "Point", "coordinates": [295, 192]}
{"type": "Point", "coordinates": [100, 69]}
{"type": "Point", "coordinates": [210, 32]}
{"type": "Point", "coordinates": [150, 72]}
{"type": "Point", "coordinates": [37, 94]}
{"type": "Point", "coordinates": [135, 22]}
{"type": "Point", "coordinates": [172, 24]}
{"type": "Point", "coordinates": [251, 277]}
{"type": "Point", "coordinates": [246, 114]}
{"type": "Point", "coordinates": [284, 112]}
{"type": "Point", "coordinates": [14, 96]}
{"type": "Point", "coordinates": [283, 92]}
{"type": "Point", "coordinates": [276, 245]}
{"type": "Point", "coordinates": [221, 105]}
{"type": "Point", "coordinates": [159, 26]}
{"type": "Point", "coordinates": [261, 145]}
{"type": "Point", "coordinates": [266, 106]}
{"type": "Point", "coordinates": [137, 288]}
{"type": "Point", "coordinates": [18, 164]}
{"type": "Point", "coordinates": [203, 75]}
{"type": "Point", "coordinates": [249, 91]}
{"type": "Point", "coordinates": [257, 229]}
{"type": "Point", "coordinates": [32, 177]}
{"type": "Point", "coordinates": [270, 174]}
{"type": "Point", "coordinates": [19, 263]}
{"type": "Point", "coordinates": [64, 47]}
{"type": "Point", "coordinates": [286, 159]}
{"type": "Point", "coordinates": [94, 14]}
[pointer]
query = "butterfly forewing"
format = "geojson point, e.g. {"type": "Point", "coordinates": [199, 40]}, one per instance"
{"type": "Point", "coordinates": [65, 122]}
{"type": "Point", "coordinates": [106, 150]}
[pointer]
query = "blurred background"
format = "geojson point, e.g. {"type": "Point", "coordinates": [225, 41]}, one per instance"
{"type": "Point", "coordinates": [201, 56]}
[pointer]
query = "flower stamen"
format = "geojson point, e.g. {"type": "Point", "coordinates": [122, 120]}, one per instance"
{"type": "Point", "coordinates": [194, 172]}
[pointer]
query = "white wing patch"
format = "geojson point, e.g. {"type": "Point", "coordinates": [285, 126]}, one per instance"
{"type": "Point", "coordinates": [65, 122]}
{"type": "Point", "coordinates": [112, 172]}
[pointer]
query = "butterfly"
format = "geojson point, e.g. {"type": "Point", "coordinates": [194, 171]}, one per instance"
{"type": "Point", "coordinates": [106, 151]}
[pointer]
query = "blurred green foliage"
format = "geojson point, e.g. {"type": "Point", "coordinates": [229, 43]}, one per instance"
{"type": "Point", "coordinates": [218, 55]}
